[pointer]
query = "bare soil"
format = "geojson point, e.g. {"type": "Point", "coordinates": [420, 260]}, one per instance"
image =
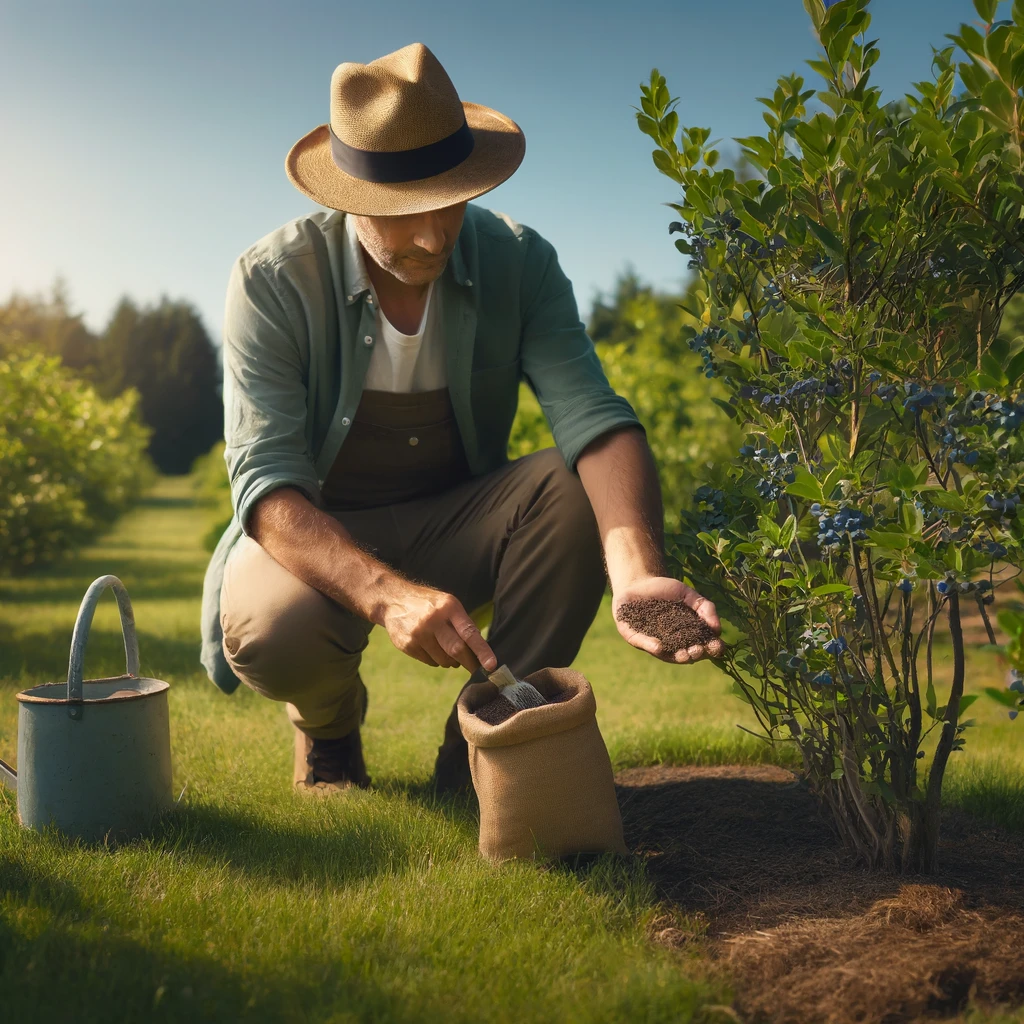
{"type": "Point", "coordinates": [806, 936]}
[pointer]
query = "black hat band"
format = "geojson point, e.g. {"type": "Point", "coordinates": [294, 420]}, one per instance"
{"type": "Point", "coordinates": [406, 164]}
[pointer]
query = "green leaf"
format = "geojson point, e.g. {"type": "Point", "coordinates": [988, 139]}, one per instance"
{"type": "Point", "coordinates": [837, 774]}
{"type": "Point", "coordinates": [806, 485]}
{"type": "Point", "coordinates": [832, 244]}
{"type": "Point", "coordinates": [769, 529]}
{"type": "Point", "coordinates": [669, 125]}
{"type": "Point", "coordinates": [986, 10]}
{"type": "Point", "coordinates": [1007, 698]}
{"type": "Point", "coordinates": [788, 533]}
{"type": "Point", "coordinates": [944, 499]}
{"type": "Point", "coordinates": [832, 588]}
{"type": "Point", "coordinates": [967, 700]}
{"type": "Point", "coordinates": [731, 412]}
{"type": "Point", "coordinates": [665, 164]}
{"type": "Point", "coordinates": [647, 125]}
{"type": "Point", "coordinates": [888, 539]}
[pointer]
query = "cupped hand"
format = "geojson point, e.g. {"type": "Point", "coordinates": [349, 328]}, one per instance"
{"type": "Point", "coordinates": [667, 589]}
{"type": "Point", "coordinates": [433, 627]}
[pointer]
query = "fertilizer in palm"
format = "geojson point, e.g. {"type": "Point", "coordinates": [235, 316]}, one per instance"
{"type": "Point", "coordinates": [675, 624]}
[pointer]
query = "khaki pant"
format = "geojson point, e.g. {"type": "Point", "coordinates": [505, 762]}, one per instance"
{"type": "Point", "coordinates": [523, 537]}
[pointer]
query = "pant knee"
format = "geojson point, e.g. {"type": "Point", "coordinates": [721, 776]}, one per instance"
{"type": "Point", "coordinates": [281, 648]}
{"type": "Point", "coordinates": [567, 520]}
{"type": "Point", "coordinates": [568, 511]}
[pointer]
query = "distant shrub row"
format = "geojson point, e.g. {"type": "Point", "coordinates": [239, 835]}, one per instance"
{"type": "Point", "coordinates": [71, 461]}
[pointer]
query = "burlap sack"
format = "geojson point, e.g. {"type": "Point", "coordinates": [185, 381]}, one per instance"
{"type": "Point", "coordinates": [543, 777]}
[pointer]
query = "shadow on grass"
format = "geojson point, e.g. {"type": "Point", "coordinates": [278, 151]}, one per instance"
{"type": "Point", "coordinates": [992, 793]}
{"type": "Point", "coordinates": [63, 958]}
{"type": "Point", "coordinates": [461, 806]}
{"type": "Point", "coordinates": [145, 576]}
{"type": "Point", "coordinates": [31, 655]}
{"type": "Point", "coordinates": [161, 501]}
{"type": "Point", "coordinates": [274, 851]}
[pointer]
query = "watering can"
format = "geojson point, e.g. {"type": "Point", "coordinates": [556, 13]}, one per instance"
{"type": "Point", "coordinates": [94, 756]}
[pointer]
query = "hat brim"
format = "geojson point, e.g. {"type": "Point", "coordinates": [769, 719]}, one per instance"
{"type": "Point", "coordinates": [498, 149]}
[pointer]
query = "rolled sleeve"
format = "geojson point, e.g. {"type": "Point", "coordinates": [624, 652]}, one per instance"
{"type": "Point", "coordinates": [560, 363]}
{"type": "Point", "coordinates": [265, 414]}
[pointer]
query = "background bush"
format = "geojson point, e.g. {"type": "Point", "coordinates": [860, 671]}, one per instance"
{"type": "Point", "coordinates": [213, 490]}
{"type": "Point", "coordinates": [638, 336]}
{"type": "Point", "coordinates": [162, 351]}
{"type": "Point", "coordinates": [71, 460]}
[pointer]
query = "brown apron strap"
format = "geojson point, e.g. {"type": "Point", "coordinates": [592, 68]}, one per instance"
{"type": "Point", "coordinates": [400, 446]}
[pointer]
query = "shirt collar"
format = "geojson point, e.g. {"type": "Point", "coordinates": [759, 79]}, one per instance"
{"type": "Point", "coordinates": [357, 281]}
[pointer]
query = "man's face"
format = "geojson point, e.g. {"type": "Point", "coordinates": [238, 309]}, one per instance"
{"type": "Point", "coordinates": [415, 247]}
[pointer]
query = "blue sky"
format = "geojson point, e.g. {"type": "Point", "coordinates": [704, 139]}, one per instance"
{"type": "Point", "coordinates": [143, 143]}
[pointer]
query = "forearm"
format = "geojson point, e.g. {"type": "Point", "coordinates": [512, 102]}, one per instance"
{"type": "Point", "coordinates": [619, 475]}
{"type": "Point", "coordinates": [317, 549]}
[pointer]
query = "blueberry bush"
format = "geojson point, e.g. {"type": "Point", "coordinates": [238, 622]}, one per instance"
{"type": "Point", "coordinates": [850, 299]}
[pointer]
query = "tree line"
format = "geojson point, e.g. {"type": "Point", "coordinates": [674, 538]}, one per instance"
{"type": "Point", "coordinates": [162, 351]}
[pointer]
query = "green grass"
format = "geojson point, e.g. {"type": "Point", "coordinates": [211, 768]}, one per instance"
{"type": "Point", "coordinates": [253, 904]}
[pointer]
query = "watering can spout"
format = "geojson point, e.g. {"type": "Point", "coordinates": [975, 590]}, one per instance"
{"type": "Point", "coordinates": [8, 776]}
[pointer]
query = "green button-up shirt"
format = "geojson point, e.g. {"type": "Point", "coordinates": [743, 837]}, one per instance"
{"type": "Point", "coordinates": [298, 336]}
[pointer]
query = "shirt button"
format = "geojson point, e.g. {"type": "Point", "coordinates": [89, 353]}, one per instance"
{"type": "Point", "coordinates": [469, 284]}
{"type": "Point", "coordinates": [368, 340]}
{"type": "Point", "coordinates": [351, 297]}
{"type": "Point", "coordinates": [414, 441]}
{"type": "Point", "coordinates": [345, 421]}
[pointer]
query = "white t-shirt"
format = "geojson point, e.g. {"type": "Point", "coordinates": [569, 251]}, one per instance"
{"type": "Point", "coordinates": [399, 362]}
{"type": "Point", "coordinates": [409, 362]}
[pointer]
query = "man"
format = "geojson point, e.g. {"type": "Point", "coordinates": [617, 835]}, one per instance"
{"type": "Point", "coordinates": [372, 360]}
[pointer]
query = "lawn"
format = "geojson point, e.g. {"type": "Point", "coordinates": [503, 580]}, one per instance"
{"type": "Point", "coordinates": [253, 904]}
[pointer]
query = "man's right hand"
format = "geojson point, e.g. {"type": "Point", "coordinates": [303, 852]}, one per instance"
{"type": "Point", "coordinates": [425, 623]}
{"type": "Point", "coordinates": [433, 627]}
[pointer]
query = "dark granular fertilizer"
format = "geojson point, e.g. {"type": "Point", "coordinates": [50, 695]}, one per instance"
{"type": "Point", "coordinates": [675, 624]}
{"type": "Point", "coordinates": [501, 709]}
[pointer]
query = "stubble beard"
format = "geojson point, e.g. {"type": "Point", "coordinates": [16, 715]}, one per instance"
{"type": "Point", "coordinates": [408, 271]}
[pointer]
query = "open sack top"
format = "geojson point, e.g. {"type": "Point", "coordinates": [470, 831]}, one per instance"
{"type": "Point", "coordinates": [533, 723]}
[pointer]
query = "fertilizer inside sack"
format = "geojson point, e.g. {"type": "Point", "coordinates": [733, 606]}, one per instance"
{"type": "Point", "coordinates": [514, 695]}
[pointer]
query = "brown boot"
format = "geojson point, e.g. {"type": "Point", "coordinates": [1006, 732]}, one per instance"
{"type": "Point", "coordinates": [324, 766]}
{"type": "Point", "coordinates": [329, 766]}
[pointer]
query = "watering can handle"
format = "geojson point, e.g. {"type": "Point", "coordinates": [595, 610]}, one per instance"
{"type": "Point", "coordinates": [80, 637]}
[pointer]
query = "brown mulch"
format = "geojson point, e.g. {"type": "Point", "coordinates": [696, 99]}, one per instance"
{"type": "Point", "coordinates": [806, 936]}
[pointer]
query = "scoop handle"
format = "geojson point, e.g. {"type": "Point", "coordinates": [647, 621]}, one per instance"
{"type": "Point", "coordinates": [80, 637]}
{"type": "Point", "coordinates": [502, 677]}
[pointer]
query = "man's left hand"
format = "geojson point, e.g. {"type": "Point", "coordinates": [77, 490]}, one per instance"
{"type": "Point", "coordinates": [667, 589]}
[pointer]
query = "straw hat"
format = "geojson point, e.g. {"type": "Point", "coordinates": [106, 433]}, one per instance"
{"type": "Point", "coordinates": [401, 141]}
